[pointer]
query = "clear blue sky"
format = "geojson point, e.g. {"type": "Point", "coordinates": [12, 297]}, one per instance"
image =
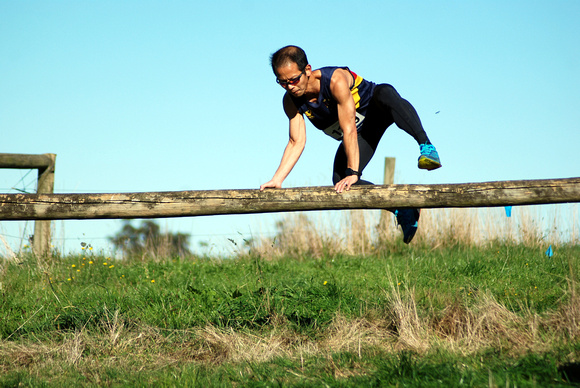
{"type": "Point", "coordinates": [178, 95]}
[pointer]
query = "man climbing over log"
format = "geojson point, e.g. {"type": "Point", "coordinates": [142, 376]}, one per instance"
{"type": "Point", "coordinates": [350, 109]}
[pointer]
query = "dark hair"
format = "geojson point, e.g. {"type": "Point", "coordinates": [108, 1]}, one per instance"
{"type": "Point", "coordinates": [289, 54]}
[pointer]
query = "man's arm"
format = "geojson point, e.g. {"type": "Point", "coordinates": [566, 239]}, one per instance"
{"type": "Point", "coordinates": [295, 146]}
{"type": "Point", "coordinates": [340, 89]}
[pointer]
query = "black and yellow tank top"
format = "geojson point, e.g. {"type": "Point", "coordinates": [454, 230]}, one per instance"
{"type": "Point", "coordinates": [323, 113]}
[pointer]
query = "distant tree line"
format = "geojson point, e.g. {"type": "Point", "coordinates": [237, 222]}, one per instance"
{"type": "Point", "coordinates": [147, 240]}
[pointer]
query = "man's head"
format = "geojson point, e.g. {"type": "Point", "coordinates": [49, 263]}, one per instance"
{"type": "Point", "coordinates": [292, 70]}
{"type": "Point", "coordinates": [288, 55]}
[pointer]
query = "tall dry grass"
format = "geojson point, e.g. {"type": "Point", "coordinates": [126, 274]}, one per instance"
{"type": "Point", "coordinates": [360, 232]}
{"type": "Point", "coordinates": [459, 329]}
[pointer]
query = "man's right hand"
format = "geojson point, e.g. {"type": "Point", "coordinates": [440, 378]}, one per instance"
{"type": "Point", "coordinates": [272, 184]}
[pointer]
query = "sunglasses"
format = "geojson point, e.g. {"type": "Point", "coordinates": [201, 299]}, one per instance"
{"type": "Point", "coordinates": [292, 81]}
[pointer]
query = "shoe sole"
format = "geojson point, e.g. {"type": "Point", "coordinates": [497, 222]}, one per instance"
{"type": "Point", "coordinates": [428, 164]}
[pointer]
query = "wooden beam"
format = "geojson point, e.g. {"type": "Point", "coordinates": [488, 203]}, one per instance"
{"type": "Point", "coordinates": [24, 161]}
{"type": "Point", "coordinates": [213, 202]}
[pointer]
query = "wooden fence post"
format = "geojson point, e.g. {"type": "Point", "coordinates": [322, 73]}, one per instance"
{"type": "Point", "coordinates": [389, 171]}
{"type": "Point", "coordinates": [42, 232]}
{"type": "Point", "coordinates": [45, 164]}
{"type": "Point", "coordinates": [389, 179]}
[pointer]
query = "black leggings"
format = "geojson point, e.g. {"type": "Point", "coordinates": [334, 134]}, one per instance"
{"type": "Point", "coordinates": [385, 108]}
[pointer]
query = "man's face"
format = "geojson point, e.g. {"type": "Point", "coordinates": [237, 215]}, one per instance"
{"type": "Point", "coordinates": [292, 79]}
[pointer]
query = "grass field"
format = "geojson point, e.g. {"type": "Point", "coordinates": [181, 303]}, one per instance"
{"type": "Point", "coordinates": [500, 314]}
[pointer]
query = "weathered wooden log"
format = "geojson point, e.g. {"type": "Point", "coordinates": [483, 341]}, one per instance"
{"type": "Point", "coordinates": [213, 202]}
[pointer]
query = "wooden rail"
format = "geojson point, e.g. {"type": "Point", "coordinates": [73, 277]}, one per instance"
{"type": "Point", "coordinates": [25, 161]}
{"type": "Point", "coordinates": [213, 202]}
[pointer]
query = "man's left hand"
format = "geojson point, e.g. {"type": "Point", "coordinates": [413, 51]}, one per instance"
{"type": "Point", "coordinates": [345, 183]}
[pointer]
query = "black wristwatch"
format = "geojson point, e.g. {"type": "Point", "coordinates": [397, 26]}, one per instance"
{"type": "Point", "coordinates": [350, 171]}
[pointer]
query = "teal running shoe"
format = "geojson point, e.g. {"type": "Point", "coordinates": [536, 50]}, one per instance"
{"type": "Point", "coordinates": [409, 221]}
{"type": "Point", "coordinates": [429, 159]}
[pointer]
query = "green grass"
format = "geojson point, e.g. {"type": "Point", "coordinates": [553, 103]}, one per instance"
{"type": "Point", "coordinates": [504, 315]}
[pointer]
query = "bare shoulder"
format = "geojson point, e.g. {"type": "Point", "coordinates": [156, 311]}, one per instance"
{"type": "Point", "coordinates": [340, 78]}
{"type": "Point", "coordinates": [340, 85]}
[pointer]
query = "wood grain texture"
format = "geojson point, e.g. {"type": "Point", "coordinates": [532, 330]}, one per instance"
{"type": "Point", "coordinates": [213, 202]}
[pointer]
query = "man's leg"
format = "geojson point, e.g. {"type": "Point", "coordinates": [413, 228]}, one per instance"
{"type": "Point", "coordinates": [368, 141]}
{"type": "Point", "coordinates": [401, 112]}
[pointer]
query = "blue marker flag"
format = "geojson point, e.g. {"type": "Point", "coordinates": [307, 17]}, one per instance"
{"type": "Point", "coordinates": [550, 252]}
{"type": "Point", "coordinates": [508, 211]}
